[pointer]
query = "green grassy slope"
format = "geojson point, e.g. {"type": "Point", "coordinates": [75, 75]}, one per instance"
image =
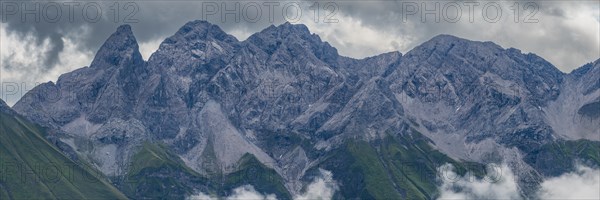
{"type": "Point", "coordinates": [402, 167]}
{"type": "Point", "coordinates": [250, 171]}
{"type": "Point", "coordinates": [33, 168]}
{"type": "Point", "coordinates": [157, 173]}
{"type": "Point", "coordinates": [556, 158]}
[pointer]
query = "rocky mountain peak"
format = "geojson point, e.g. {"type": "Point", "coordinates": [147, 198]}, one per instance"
{"type": "Point", "coordinates": [290, 28]}
{"type": "Point", "coordinates": [211, 99]}
{"type": "Point", "coordinates": [444, 44]}
{"type": "Point", "coordinates": [295, 38]}
{"type": "Point", "coordinates": [200, 30]}
{"type": "Point", "coordinates": [3, 107]}
{"type": "Point", "coordinates": [445, 38]}
{"type": "Point", "coordinates": [585, 69]}
{"type": "Point", "coordinates": [454, 53]}
{"type": "Point", "coordinates": [486, 53]}
{"type": "Point", "coordinates": [120, 49]}
{"type": "Point", "coordinates": [192, 47]}
{"type": "Point", "coordinates": [587, 76]}
{"type": "Point", "coordinates": [289, 32]}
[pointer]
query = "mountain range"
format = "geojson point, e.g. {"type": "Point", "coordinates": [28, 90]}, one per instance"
{"type": "Point", "coordinates": [207, 113]}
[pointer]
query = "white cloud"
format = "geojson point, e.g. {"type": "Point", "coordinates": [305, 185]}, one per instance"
{"type": "Point", "coordinates": [201, 196]}
{"type": "Point", "coordinates": [583, 183]}
{"type": "Point", "coordinates": [245, 192]}
{"type": "Point", "coordinates": [23, 64]}
{"type": "Point", "coordinates": [248, 192]}
{"type": "Point", "coordinates": [241, 33]}
{"type": "Point", "coordinates": [149, 47]}
{"type": "Point", "coordinates": [568, 40]}
{"type": "Point", "coordinates": [355, 39]}
{"type": "Point", "coordinates": [241, 193]}
{"type": "Point", "coordinates": [323, 187]}
{"type": "Point", "coordinates": [500, 184]}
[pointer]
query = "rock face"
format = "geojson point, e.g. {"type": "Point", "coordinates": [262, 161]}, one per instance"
{"type": "Point", "coordinates": [288, 98]}
{"type": "Point", "coordinates": [477, 90]}
{"type": "Point", "coordinates": [576, 112]}
{"type": "Point", "coordinates": [5, 108]}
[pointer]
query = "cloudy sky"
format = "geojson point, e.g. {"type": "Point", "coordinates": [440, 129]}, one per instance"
{"type": "Point", "coordinates": [41, 40]}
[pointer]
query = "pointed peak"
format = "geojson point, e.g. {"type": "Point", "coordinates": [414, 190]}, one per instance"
{"type": "Point", "coordinates": [196, 24]}
{"type": "Point", "coordinates": [119, 46]}
{"type": "Point", "coordinates": [5, 108]}
{"type": "Point", "coordinates": [200, 27]}
{"type": "Point", "coordinates": [200, 30]}
{"type": "Point", "coordinates": [123, 36]}
{"type": "Point", "coordinates": [2, 103]}
{"type": "Point", "coordinates": [286, 31]}
{"type": "Point", "coordinates": [287, 34]}
{"type": "Point", "coordinates": [288, 27]}
{"type": "Point", "coordinates": [125, 28]}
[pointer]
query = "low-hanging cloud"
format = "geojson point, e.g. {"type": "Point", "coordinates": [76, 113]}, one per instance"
{"type": "Point", "coordinates": [500, 185]}
{"type": "Point", "coordinates": [241, 193]}
{"type": "Point", "coordinates": [248, 192]}
{"type": "Point", "coordinates": [323, 187]}
{"type": "Point", "coordinates": [583, 183]}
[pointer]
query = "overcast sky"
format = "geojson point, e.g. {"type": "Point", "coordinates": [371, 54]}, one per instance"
{"type": "Point", "coordinates": [41, 40]}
